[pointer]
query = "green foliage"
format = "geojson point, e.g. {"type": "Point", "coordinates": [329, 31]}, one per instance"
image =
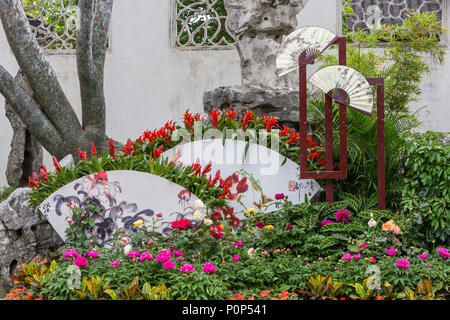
{"type": "Point", "coordinates": [5, 192]}
{"type": "Point", "coordinates": [426, 189]}
{"type": "Point", "coordinates": [199, 286]}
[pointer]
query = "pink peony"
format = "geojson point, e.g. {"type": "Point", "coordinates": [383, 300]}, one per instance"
{"type": "Point", "coordinates": [70, 253]}
{"type": "Point", "coordinates": [342, 216]}
{"type": "Point", "coordinates": [391, 251]}
{"type": "Point", "coordinates": [356, 256]}
{"type": "Point", "coordinates": [236, 258]}
{"type": "Point", "coordinates": [238, 244]}
{"type": "Point", "coordinates": [80, 262]}
{"type": "Point", "coordinates": [181, 258]}
{"type": "Point", "coordinates": [347, 256]}
{"type": "Point", "coordinates": [363, 245]}
{"type": "Point", "coordinates": [280, 196]}
{"type": "Point", "coordinates": [208, 267]}
{"type": "Point", "coordinates": [178, 252]}
{"type": "Point", "coordinates": [187, 268]}
{"type": "Point", "coordinates": [168, 264]}
{"type": "Point", "coordinates": [125, 241]}
{"type": "Point", "coordinates": [92, 254]}
{"type": "Point", "coordinates": [132, 254]}
{"type": "Point", "coordinates": [163, 256]}
{"type": "Point", "coordinates": [260, 225]}
{"type": "Point", "coordinates": [423, 256]}
{"type": "Point", "coordinates": [443, 252]}
{"type": "Point", "coordinates": [114, 264]}
{"type": "Point", "coordinates": [146, 256]}
{"type": "Point", "coordinates": [325, 222]}
{"type": "Point", "coordinates": [403, 263]}
{"type": "Point", "coordinates": [289, 227]}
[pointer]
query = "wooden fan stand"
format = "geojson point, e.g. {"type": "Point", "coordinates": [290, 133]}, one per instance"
{"type": "Point", "coordinates": [330, 173]}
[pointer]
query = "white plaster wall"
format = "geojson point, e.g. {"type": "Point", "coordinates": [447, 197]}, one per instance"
{"type": "Point", "coordinates": [148, 83]}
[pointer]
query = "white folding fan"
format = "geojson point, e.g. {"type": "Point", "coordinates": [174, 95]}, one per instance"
{"type": "Point", "coordinates": [303, 45]}
{"type": "Point", "coordinates": [331, 80]}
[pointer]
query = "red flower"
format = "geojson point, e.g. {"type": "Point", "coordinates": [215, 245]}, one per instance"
{"type": "Point", "coordinates": [242, 186]}
{"type": "Point", "coordinates": [215, 118]}
{"type": "Point", "coordinates": [82, 154]}
{"type": "Point", "coordinates": [293, 139]}
{"type": "Point", "coordinates": [93, 151]}
{"type": "Point", "coordinates": [321, 163]}
{"type": "Point", "coordinates": [216, 232]}
{"type": "Point", "coordinates": [269, 122]}
{"type": "Point", "coordinates": [207, 168]}
{"type": "Point", "coordinates": [129, 148]}
{"type": "Point", "coordinates": [181, 224]}
{"type": "Point", "coordinates": [246, 120]}
{"type": "Point", "coordinates": [44, 173]}
{"type": "Point", "coordinates": [112, 151]}
{"type": "Point", "coordinates": [260, 225]}
{"type": "Point", "coordinates": [188, 120]}
{"type": "Point", "coordinates": [286, 131]}
{"type": "Point", "coordinates": [230, 114]}
{"type": "Point", "coordinates": [157, 152]}
{"type": "Point", "coordinates": [56, 164]}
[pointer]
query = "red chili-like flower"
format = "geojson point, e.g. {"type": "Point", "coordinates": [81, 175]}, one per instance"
{"type": "Point", "coordinates": [129, 148]}
{"type": "Point", "coordinates": [181, 224]}
{"type": "Point", "coordinates": [216, 232]}
{"type": "Point", "coordinates": [269, 122]}
{"type": "Point", "coordinates": [207, 168]}
{"type": "Point", "coordinates": [286, 131]}
{"type": "Point", "coordinates": [112, 150]}
{"type": "Point", "coordinates": [44, 173]}
{"type": "Point", "coordinates": [242, 186]}
{"type": "Point", "coordinates": [82, 154]}
{"type": "Point", "coordinates": [293, 139]}
{"type": "Point", "coordinates": [188, 121]}
{"type": "Point", "coordinates": [230, 114]}
{"type": "Point", "coordinates": [246, 120]}
{"type": "Point", "coordinates": [93, 150]}
{"type": "Point", "coordinates": [56, 164]}
{"type": "Point", "coordinates": [215, 118]}
{"type": "Point", "coordinates": [158, 152]}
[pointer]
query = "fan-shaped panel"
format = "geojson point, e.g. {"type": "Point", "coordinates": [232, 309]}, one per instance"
{"type": "Point", "coordinates": [306, 43]}
{"type": "Point", "coordinates": [330, 79]}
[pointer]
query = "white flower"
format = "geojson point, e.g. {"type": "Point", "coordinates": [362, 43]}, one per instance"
{"type": "Point", "coordinates": [127, 249]}
{"type": "Point", "coordinates": [199, 205]}
{"type": "Point", "coordinates": [208, 222]}
{"type": "Point", "coordinates": [372, 223]}
{"type": "Point", "coordinates": [197, 215]}
{"type": "Point", "coordinates": [251, 253]}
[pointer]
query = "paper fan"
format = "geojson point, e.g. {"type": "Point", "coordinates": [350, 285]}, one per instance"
{"type": "Point", "coordinates": [306, 44]}
{"type": "Point", "coordinates": [336, 79]}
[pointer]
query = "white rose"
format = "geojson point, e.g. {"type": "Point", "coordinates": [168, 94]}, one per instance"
{"type": "Point", "coordinates": [197, 215]}
{"type": "Point", "coordinates": [199, 205]}
{"type": "Point", "coordinates": [208, 222]}
{"type": "Point", "coordinates": [372, 223]}
{"type": "Point", "coordinates": [127, 249]}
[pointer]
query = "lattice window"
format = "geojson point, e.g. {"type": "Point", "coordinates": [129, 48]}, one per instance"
{"type": "Point", "coordinates": [201, 23]}
{"type": "Point", "coordinates": [53, 22]}
{"type": "Point", "coordinates": [389, 12]}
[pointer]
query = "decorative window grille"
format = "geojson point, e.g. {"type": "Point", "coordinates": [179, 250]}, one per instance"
{"type": "Point", "coordinates": [201, 24]}
{"type": "Point", "coordinates": [388, 12]}
{"type": "Point", "coordinates": [53, 22]}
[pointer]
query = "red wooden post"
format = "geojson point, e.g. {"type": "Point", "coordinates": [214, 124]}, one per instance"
{"type": "Point", "coordinates": [381, 149]}
{"type": "Point", "coordinates": [329, 146]}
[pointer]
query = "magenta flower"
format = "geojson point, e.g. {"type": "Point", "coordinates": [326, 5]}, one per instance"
{"type": "Point", "coordinates": [403, 263]}
{"type": "Point", "coordinates": [356, 256]}
{"type": "Point", "coordinates": [146, 256]}
{"type": "Point", "coordinates": [391, 251]}
{"type": "Point", "coordinates": [342, 216]}
{"type": "Point", "coordinates": [260, 225]}
{"type": "Point", "coordinates": [114, 264]}
{"type": "Point", "coordinates": [236, 258]}
{"type": "Point", "coordinates": [163, 256]}
{"type": "Point", "coordinates": [238, 244]}
{"type": "Point", "coordinates": [280, 196]}
{"type": "Point", "coordinates": [289, 227]}
{"type": "Point", "coordinates": [181, 258]}
{"type": "Point", "coordinates": [208, 267]}
{"type": "Point", "coordinates": [363, 245]}
{"type": "Point", "coordinates": [80, 262]}
{"type": "Point", "coordinates": [423, 256]}
{"type": "Point", "coordinates": [178, 252]}
{"type": "Point", "coordinates": [168, 264]}
{"type": "Point", "coordinates": [346, 256]}
{"type": "Point", "coordinates": [373, 260]}
{"type": "Point", "coordinates": [71, 253]}
{"type": "Point", "coordinates": [325, 222]}
{"type": "Point", "coordinates": [132, 254]}
{"type": "Point", "coordinates": [187, 268]}
{"type": "Point", "coordinates": [443, 252]}
{"type": "Point", "coordinates": [266, 252]}
{"type": "Point", "coordinates": [92, 254]}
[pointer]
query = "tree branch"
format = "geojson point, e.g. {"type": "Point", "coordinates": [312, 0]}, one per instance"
{"type": "Point", "coordinates": [31, 114]}
{"type": "Point", "coordinates": [40, 75]}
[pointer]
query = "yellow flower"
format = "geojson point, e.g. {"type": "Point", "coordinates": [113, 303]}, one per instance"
{"type": "Point", "coordinates": [269, 226]}
{"type": "Point", "coordinates": [138, 223]}
{"type": "Point", "coordinates": [250, 211]}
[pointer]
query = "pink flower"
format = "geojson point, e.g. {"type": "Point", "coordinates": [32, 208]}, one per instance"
{"type": "Point", "coordinates": [356, 256]}
{"type": "Point", "coordinates": [238, 244]}
{"type": "Point", "coordinates": [342, 216]}
{"type": "Point", "coordinates": [443, 252]}
{"type": "Point", "coordinates": [391, 251]}
{"type": "Point", "coordinates": [125, 241]}
{"type": "Point", "coordinates": [163, 256]}
{"type": "Point", "coordinates": [69, 220]}
{"type": "Point", "coordinates": [114, 264]}
{"type": "Point", "coordinates": [80, 262]}
{"type": "Point", "coordinates": [168, 264]}
{"type": "Point", "coordinates": [266, 252]}
{"type": "Point", "coordinates": [280, 196]}
{"type": "Point", "coordinates": [132, 254]}
{"type": "Point", "coordinates": [347, 256]}
{"type": "Point", "coordinates": [423, 256]}
{"type": "Point", "coordinates": [403, 263]}
{"type": "Point", "coordinates": [260, 225]}
{"type": "Point", "coordinates": [373, 260]}
{"type": "Point", "coordinates": [92, 254]}
{"type": "Point", "coordinates": [363, 245]}
{"type": "Point", "coordinates": [289, 227]}
{"type": "Point", "coordinates": [187, 268]}
{"type": "Point", "coordinates": [236, 258]}
{"type": "Point", "coordinates": [146, 256]}
{"type": "Point", "coordinates": [181, 258]}
{"type": "Point", "coordinates": [70, 253]}
{"type": "Point", "coordinates": [325, 222]}
{"type": "Point", "coordinates": [178, 252]}
{"type": "Point", "coordinates": [208, 267]}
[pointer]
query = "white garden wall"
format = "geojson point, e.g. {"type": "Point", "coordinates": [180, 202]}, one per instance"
{"type": "Point", "coordinates": [148, 82]}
